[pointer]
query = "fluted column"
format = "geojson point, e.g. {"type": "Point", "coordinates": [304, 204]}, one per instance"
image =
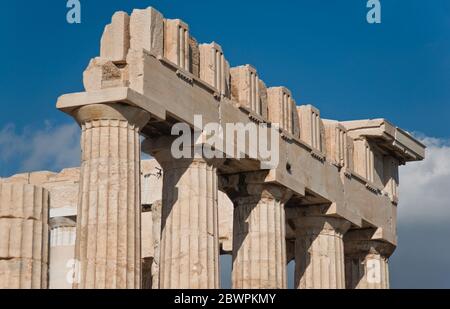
{"type": "Point", "coordinates": [189, 252]}
{"type": "Point", "coordinates": [259, 232]}
{"type": "Point", "coordinates": [319, 252]}
{"type": "Point", "coordinates": [366, 260]}
{"type": "Point", "coordinates": [108, 224]}
{"type": "Point", "coordinates": [24, 232]}
{"type": "Point", "coordinates": [259, 241]}
{"type": "Point", "coordinates": [62, 253]}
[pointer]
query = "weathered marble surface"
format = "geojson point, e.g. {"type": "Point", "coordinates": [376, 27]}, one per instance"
{"type": "Point", "coordinates": [332, 176]}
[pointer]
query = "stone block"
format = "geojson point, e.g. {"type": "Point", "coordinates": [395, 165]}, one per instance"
{"type": "Point", "coordinates": [338, 145]}
{"type": "Point", "coordinates": [245, 89]}
{"type": "Point", "coordinates": [23, 239]}
{"type": "Point", "coordinates": [102, 74]}
{"type": "Point", "coordinates": [147, 31]}
{"type": "Point", "coordinates": [214, 69]}
{"type": "Point", "coordinates": [311, 128]}
{"type": "Point", "coordinates": [282, 110]}
{"type": "Point", "coordinates": [363, 159]}
{"type": "Point", "coordinates": [115, 41]}
{"type": "Point", "coordinates": [23, 201]}
{"type": "Point", "coordinates": [176, 43]}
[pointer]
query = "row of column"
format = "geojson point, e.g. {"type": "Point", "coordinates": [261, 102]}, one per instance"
{"type": "Point", "coordinates": [108, 242]}
{"type": "Point", "coordinates": [108, 225]}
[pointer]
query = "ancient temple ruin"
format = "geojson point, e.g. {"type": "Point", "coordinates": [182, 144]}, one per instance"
{"type": "Point", "coordinates": [330, 204]}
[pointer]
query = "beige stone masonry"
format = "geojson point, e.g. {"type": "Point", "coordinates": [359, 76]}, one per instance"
{"type": "Point", "coordinates": [115, 41]}
{"type": "Point", "coordinates": [391, 177]}
{"type": "Point", "coordinates": [248, 91]}
{"type": "Point", "coordinates": [282, 110]}
{"type": "Point", "coordinates": [146, 36]}
{"type": "Point", "coordinates": [24, 232]}
{"type": "Point", "coordinates": [363, 158]}
{"type": "Point", "coordinates": [147, 31]}
{"type": "Point", "coordinates": [311, 127]}
{"type": "Point", "coordinates": [103, 74]}
{"type": "Point", "coordinates": [338, 145]}
{"type": "Point", "coordinates": [176, 43]}
{"type": "Point", "coordinates": [214, 68]}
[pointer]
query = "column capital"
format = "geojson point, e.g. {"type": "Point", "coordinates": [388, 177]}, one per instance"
{"type": "Point", "coordinates": [321, 225]}
{"type": "Point", "coordinates": [361, 243]}
{"type": "Point", "coordinates": [253, 185]}
{"type": "Point", "coordinates": [161, 150]}
{"type": "Point", "coordinates": [313, 220]}
{"type": "Point", "coordinates": [116, 111]}
{"type": "Point", "coordinates": [61, 222]}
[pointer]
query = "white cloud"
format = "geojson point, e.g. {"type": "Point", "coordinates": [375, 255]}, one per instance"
{"type": "Point", "coordinates": [425, 186]}
{"type": "Point", "coordinates": [10, 144]}
{"type": "Point", "coordinates": [50, 148]}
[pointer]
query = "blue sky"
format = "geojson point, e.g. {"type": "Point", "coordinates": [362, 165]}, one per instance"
{"type": "Point", "coordinates": [323, 50]}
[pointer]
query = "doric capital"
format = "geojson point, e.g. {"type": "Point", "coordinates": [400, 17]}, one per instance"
{"type": "Point", "coordinates": [161, 150]}
{"type": "Point", "coordinates": [61, 222]}
{"type": "Point", "coordinates": [253, 186]}
{"type": "Point", "coordinates": [122, 112]}
{"type": "Point", "coordinates": [321, 225]}
{"type": "Point", "coordinates": [313, 219]}
{"type": "Point", "coordinates": [361, 243]}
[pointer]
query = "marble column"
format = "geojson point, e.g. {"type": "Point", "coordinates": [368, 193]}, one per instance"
{"type": "Point", "coordinates": [24, 232]}
{"type": "Point", "coordinates": [366, 260]}
{"type": "Point", "coordinates": [62, 253]}
{"type": "Point", "coordinates": [108, 224]}
{"type": "Point", "coordinates": [259, 235]}
{"type": "Point", "coordinates": [189, 250]}
{"type": "Point", "coordinates": [319, 252]}
{"type": "Point", "coordinates": [259, 231]}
